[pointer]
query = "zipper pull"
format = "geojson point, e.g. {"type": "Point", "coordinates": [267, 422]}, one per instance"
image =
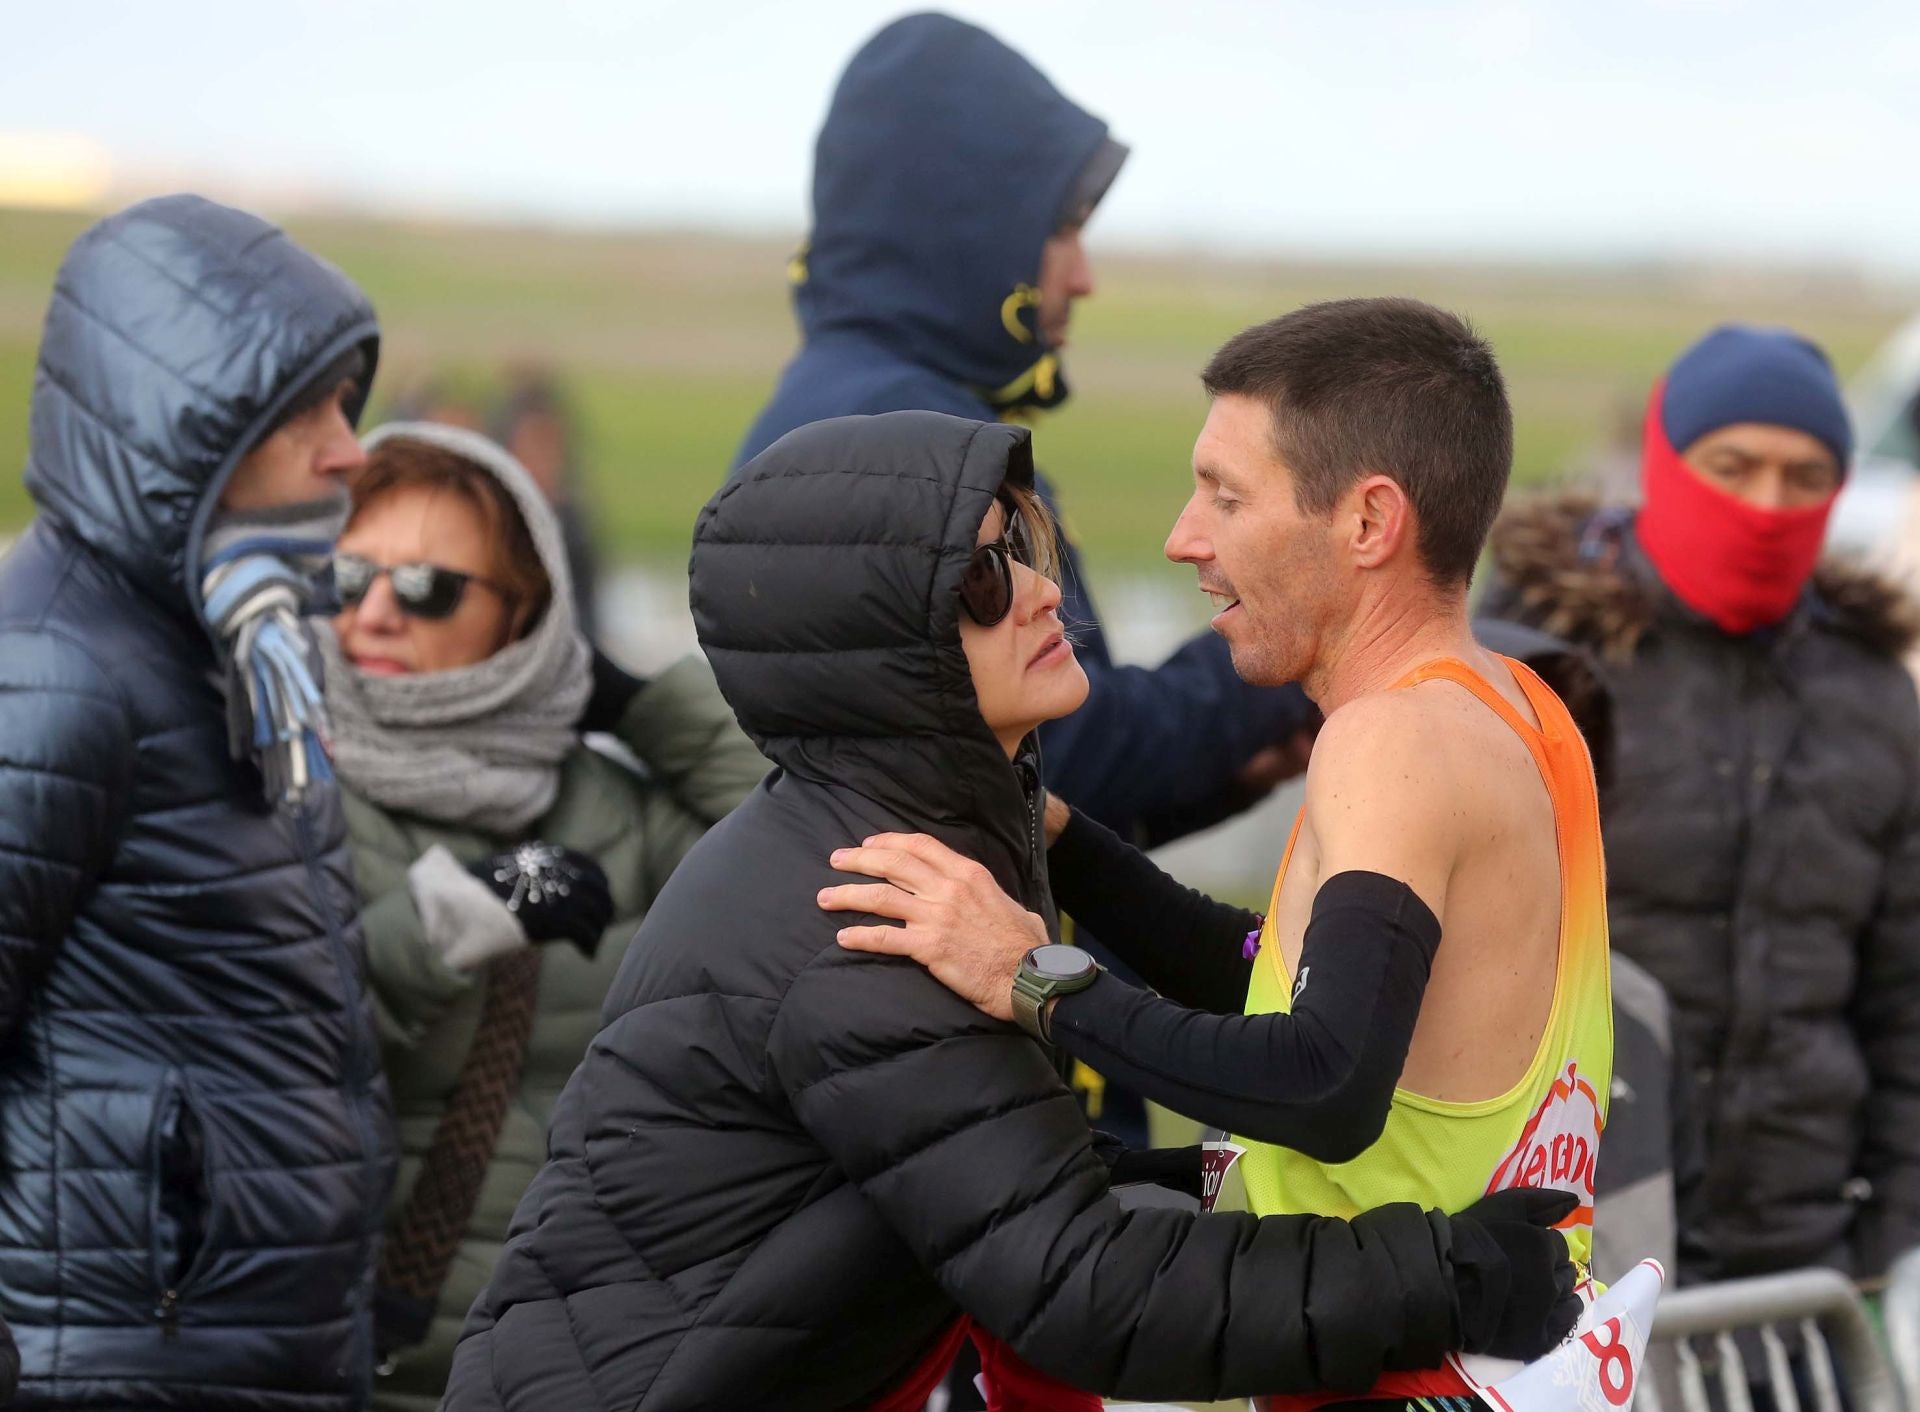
{"type": "Point", "coordinates": [167, 1311]}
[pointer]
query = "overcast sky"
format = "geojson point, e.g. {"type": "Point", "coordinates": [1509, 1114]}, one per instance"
{"type": "Point", "coordinates": [1584, 128]}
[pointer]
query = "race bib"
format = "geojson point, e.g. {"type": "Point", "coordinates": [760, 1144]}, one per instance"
{"type": "Point", "coordinates": [1216, 1160]}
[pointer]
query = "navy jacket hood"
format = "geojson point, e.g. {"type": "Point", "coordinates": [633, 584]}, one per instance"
{"type": "Point", "coordinates": [179, 331]}
{"type": "Point", "coordinates": [945, 162]}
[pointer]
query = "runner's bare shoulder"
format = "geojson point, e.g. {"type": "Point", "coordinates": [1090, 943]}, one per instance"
{"type": "Point", "coordinates": [1388, 789]}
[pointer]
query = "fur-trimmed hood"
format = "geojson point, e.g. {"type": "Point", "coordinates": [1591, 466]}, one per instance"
{"type": "Point", "coordinates": [1571, 568]}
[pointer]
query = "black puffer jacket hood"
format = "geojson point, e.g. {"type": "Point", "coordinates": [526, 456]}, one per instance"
{"type": "Point", "coordinates": [826, 591]}
{"type": "Point", "coordinates": [179, 332]}
{"type": "Point", "coordinates": [937, 262]}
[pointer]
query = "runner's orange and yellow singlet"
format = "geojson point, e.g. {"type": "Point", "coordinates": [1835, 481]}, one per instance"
{"type": "Point", "coordinates": [1545, 1130]}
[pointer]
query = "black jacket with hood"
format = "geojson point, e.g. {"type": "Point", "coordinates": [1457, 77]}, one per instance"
{"type": "Point", "coordinates": [784, 1167]}
{"type": "Point", "coordinates": [945, 163]}
{"type": "Point", "coordinates": [195, 1140]}
{"type": "Point", "coordinates": [1763, 863]}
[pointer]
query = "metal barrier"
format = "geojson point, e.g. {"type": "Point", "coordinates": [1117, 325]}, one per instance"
{"type": "Point", "coordinates": [1900, 1313]}
{"type": "Point", "coordinates": [1704, 1338]}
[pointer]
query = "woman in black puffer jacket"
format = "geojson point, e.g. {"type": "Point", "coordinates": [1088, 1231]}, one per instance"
{"type": "Point", "coordinates": [784, 1170]}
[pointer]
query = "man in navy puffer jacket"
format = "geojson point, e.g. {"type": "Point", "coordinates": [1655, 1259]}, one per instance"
{"type": "Point", "coordinates": [950, 183]}
{"type": "Point", "coordinates": [195, 1138]}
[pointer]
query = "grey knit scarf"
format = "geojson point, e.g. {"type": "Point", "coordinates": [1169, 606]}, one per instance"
{"type": "Point", "coordinates": [481, 746]}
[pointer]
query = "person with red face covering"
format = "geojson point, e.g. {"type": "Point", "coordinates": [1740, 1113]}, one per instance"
{"type": "Point", "coordinates": [1763, 821]}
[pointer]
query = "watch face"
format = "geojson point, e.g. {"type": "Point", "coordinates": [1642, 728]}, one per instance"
{"type": "Point", "coordinates": [1059, 963]}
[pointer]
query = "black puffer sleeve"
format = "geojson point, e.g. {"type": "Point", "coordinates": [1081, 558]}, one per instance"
{"type": "Point", "coordinates": [65, 753]}
{"type": "Point", "coordinates": [962, 1136]}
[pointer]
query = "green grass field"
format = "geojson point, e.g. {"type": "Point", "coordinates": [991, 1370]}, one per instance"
{"type": "Point", "coordinates": [669, 341]}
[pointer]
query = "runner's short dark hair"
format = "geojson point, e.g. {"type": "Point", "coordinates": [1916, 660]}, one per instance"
{"type": "Point", "coordinates": [1392, 387]}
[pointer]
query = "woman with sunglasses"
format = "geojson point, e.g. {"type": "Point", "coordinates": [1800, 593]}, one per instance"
{"type": "Point", "coordinates": [792, 1175]}
{"type": "Point", "coordinates": [483, 830]}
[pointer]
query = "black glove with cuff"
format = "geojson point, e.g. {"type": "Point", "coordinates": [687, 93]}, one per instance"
{"type": "Point", "coordinates": [1513, 1273]}
{"type": "Point", "coordinates": [557, 894]}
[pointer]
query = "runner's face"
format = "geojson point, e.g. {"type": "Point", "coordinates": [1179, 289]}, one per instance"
{"type": "Point", "coordinates": [1024, 671]}
{"type": "Point", "coordinates": [1266, 565]}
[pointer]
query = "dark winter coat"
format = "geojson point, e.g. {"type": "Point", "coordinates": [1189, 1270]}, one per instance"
{"type": "Point", "coordinates": [903, 304]}
{"type": "Point", "coordinates": [195, 1139]}
{"type": "Point", "coordinates": [1763, 857]}
{"type": "Point", "coordinates": [784, 1167]}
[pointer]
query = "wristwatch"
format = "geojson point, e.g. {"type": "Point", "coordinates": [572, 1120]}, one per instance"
{"type": "Point", "coordinates": [1047, 971]}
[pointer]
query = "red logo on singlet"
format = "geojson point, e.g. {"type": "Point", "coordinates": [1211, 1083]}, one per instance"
{"type": "Point", "coordinates": [1560, 1144]}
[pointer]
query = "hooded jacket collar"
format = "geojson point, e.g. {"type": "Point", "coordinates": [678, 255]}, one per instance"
{"type": "Point", "coordinates": [945, 163]}
{"type": "Point", "coordinates": [825, 587]}
{"type": "Point", "coordinates": [178, 332]}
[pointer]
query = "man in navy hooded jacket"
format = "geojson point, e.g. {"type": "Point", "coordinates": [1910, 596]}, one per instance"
{"type": "Point", "coordinates": [196, 1142]}
{"type": "Point", "coordinates": [950, 183]}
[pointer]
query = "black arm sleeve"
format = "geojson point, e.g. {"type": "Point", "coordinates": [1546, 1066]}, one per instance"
{"type": "Point", "coordinates": [1186, 945]}
{"type": "Point", "coordinates": [1319, 1080]}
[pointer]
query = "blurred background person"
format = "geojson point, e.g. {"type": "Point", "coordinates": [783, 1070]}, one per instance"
{"type": "Point", "coordinates": [502, 863]}
{"type": "Point", "coordinates": [195, 1139]}
{"type": "Point", "coordinates": [951, 186]}
{"type": "Point", "coordinates": [1763, 819]}
{"type": "Point", "coordinates": [430, 397]}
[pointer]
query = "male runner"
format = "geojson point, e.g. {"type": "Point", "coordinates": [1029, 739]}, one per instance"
{"type": "Point", "coordinates": [1426, 1005]}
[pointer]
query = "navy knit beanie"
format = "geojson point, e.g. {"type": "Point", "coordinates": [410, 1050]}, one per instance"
{"type": "Point", "coordinates": [1739, 373]}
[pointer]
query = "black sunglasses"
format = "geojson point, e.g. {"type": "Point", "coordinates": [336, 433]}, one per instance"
{"type": "Point", "coordinates": [986, 588]}
{"type": "Point", "coordinates": [422, 590]}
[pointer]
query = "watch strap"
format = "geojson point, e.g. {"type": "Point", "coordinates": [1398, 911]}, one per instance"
{"type": "Point", "coordinates": [1030, 997]}
{"type": "Point", "coordinates": [1032, 990]}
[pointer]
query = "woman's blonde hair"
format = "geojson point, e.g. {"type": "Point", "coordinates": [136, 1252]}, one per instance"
{"type": "Point", "coordinates": [1029, 516]}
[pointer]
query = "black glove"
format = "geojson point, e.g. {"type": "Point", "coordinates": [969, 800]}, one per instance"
{"type": "Point", "coordinates": [1513, 1274]}
{"type": "Point", "coordinates": [557, 894]}
{"type": "Point", "coordinates": [613, 691]}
